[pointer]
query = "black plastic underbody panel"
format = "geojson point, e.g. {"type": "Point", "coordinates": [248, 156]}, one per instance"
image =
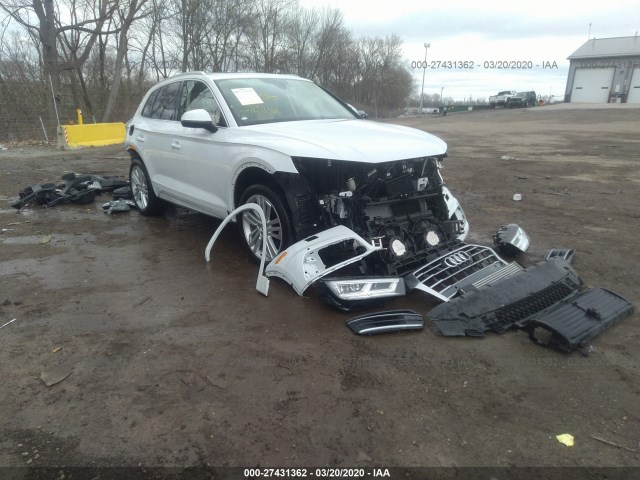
{"type": "Point", "coordinates": [578, 319]}
{"type": "Point", "coordinates": [508, 303]}
{"type": "Point", "coordinates": [386, 322]}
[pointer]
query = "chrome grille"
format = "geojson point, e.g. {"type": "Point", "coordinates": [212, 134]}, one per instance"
{"type": "Point", "coordinates": [467, 266]}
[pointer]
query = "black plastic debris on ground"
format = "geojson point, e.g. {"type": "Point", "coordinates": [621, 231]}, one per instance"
{"type": "Point", "coordinates": [79, 189]}
{"type": "Point", "coordinates": [573, 322]}
{"type": "Point", "coordinates": [561, 253]}
{"type": "Point", "coordinates": [120, 205]}
{"type": "Point", "coordinates": [543, 300]}
{"type": "Point", "coordinates": [123, 193]}
{"type": "Point", "coordinates": [507, 303]}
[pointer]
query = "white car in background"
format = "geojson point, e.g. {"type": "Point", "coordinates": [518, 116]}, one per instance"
{"type": "Point", "coordinates": [361, 200]}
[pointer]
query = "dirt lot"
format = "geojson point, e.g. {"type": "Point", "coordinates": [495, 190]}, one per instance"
{"type": "Point", "coordinates": [174, 362]}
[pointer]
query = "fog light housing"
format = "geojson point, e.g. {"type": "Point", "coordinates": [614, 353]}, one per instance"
{"type": "Point", "coordinates": [511, 239]}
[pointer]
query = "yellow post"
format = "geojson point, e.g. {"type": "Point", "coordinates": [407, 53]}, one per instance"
{"type": "Point", "coordinates": [79, 113]}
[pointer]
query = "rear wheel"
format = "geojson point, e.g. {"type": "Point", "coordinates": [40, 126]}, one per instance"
{"type": "Point", "coordinates": [143, 195]}
{"type": "Point", "coordinates": [279, 233]}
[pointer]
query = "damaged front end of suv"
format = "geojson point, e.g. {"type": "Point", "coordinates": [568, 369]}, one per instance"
{"type": "Point", "coordinates": [376, 224]}
{"type": "Point", "coordinates": [382, 229]}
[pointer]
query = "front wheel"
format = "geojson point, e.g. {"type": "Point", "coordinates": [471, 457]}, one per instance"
{"type": "Point", "coordinates": [279, 233]}
{"type": "Point", "coordinates": [142, 190]}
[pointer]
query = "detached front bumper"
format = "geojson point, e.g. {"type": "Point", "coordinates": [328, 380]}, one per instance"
{"type": "Point", "coordinates": [302, 263]}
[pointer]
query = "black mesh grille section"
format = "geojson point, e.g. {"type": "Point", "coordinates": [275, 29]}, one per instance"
{"type": "Point", "coordinates": [507, 316]}
{"type": "Point", "coordinates": [306, 208]}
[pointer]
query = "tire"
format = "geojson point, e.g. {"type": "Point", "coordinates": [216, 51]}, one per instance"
{"type": "Point", "coordinates": [279, 231]}
{"type": "Point", "coordinates": [143, 195]}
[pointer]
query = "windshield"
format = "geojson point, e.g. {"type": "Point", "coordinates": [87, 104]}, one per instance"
{"type": "Point", "coordinates": [268, 100]}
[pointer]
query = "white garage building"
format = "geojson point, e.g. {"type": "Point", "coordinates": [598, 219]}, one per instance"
{"type": "Point", "coordinates": [605, 70]}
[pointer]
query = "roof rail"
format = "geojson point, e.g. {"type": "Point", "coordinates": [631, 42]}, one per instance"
{"type": "Point", "coordinates": [195, 72]}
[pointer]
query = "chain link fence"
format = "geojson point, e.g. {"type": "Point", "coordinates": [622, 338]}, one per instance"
{"type": "Point", "coordinates": [25, 116]}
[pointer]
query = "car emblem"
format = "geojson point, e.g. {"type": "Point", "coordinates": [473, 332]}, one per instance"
{"type": "Point", "coordinates": [457, 259]}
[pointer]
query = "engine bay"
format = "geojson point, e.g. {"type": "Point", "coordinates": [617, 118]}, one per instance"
{"type": "Point", "coordinates": [400, 206]}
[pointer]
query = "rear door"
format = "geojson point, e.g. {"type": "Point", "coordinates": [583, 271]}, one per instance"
{"type": "Point", "coordinates": [154, 133]}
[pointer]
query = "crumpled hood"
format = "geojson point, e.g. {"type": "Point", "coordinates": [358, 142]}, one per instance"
{"type": "Point", "coordinates": [355, 140]}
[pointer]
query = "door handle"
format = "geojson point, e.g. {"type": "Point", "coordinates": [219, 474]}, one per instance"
{"type": "Point", "coordinates": [140, 138]}
{"type": "Point", "coordinates": [176, 144]}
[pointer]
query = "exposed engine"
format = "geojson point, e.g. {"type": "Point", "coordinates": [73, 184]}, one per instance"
{"type": "Point", "coordinates": [398, 205]}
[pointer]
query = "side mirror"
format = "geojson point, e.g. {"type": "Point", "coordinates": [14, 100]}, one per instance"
{"type": "Point", "coordinates": [198, 118]}
{"type": "Point", "coordinates": [355, 110]}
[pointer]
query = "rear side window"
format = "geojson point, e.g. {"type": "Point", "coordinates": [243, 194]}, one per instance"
{"type": "Point", "coordinates": [163, 104]}
{"type": "Point", "coordinates": [148, 107]}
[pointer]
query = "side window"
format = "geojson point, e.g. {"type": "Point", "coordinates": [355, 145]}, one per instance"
{"type": "Point", "coordinates": [165, 105]}
{"type": "Point", "coordinates": [197, 95]}
{"type": "Point", "coordinates": [148, 107]}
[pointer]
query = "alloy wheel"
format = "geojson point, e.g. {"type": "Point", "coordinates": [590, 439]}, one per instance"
{"type": "Point", "coordinates": [139, 187]}
{"type": "Point", "coordinates": [252, 228]}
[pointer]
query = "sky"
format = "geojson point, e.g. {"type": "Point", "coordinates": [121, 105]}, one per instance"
{"type": "Point", "coordinates": [536, 34]}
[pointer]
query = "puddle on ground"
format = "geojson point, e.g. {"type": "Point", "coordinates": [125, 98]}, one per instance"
{"type": "Point", "coordinates": [585, 177]}
{"type": "Point", "coordinates": [12, 211]}
{"type": "Point", "coordinates": [59, 239]}
{"type": "Point", "coordinates": [27, 240]}
{"type": "Point", "coordinates": [600, 229]}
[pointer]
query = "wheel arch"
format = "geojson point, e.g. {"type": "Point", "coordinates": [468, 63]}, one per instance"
{"type": "Point", "coordinates": [133, 153]}
{"type": "Point", "coordinates": [252, 175]}
{"type": "Point", "coordinates": [299, 198]}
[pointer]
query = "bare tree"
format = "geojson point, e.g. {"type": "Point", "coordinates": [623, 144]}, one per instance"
{"type": "Point", "coordinates": [80, 33]}
{"type": "Point", "coordinates": [302, 40]}
{"type": "Point", "coordinates": [107, 52]}
{"type": "Point", "coordinates": [160, 14]}
{"type": "Point", "coordinates": [126, 18]}
{"type": "Point", "coordinates": [267, 37]}
{"type": "Point", "coordinates": [230, 20]}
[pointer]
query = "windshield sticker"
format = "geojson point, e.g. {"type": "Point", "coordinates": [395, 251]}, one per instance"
{"type": "Point", "coordinates": [247, 96]}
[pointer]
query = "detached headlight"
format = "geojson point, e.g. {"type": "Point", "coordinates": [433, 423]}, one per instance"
{"type": "Point", "coordinates": [365, 288]}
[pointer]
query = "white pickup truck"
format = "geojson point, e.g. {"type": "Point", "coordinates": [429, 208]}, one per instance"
{"type": "Point", "coordinates": [501, 99]}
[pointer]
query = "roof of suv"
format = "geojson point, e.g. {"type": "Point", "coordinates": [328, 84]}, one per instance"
{"type": "Point", "coordinates": [222, 76]}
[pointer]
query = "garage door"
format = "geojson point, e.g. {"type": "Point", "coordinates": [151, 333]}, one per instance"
{"type": "Point", "coordinates": [592, 85]}
{"type": "Point", "coordinates": [634, 89]}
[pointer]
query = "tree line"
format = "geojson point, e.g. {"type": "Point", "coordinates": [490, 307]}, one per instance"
{"type": "Point", "coordinates": [102, 55]}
